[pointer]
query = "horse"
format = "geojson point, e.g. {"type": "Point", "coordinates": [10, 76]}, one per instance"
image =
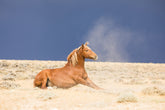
{"type": "Point", "coordinates": [71, 74]}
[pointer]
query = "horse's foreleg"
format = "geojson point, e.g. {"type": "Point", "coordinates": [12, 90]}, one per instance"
{"type": "Point", "coordinates": [93, 85]}
{"type": "Point", "coordinates": [87, 82]}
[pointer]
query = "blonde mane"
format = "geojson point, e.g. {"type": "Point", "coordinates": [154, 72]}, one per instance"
{"type": "Point", "coordinates": [72, 57]}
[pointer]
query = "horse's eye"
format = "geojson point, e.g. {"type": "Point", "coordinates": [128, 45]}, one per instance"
{"type": "Point", "coordinates": [86, 50]}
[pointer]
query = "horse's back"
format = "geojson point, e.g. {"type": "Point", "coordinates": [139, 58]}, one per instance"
{"type": "Point", "coordinates": [42, 74]}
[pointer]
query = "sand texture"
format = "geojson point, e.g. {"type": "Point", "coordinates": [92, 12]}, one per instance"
{"type": "Point", "coordinates": [128, 86]}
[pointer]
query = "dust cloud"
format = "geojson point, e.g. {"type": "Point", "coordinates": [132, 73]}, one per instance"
{"type": "Point", "coordinates": [109, 40]}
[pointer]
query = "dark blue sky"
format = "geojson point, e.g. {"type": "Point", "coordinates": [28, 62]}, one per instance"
{"type": "Point", "coordinates": [51, 29]}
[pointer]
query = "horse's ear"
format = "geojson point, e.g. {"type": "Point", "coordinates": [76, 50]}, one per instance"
{"type": "Point", "coordinates": [82, 46]}
{"type": "Point", "coordinates": [86, 43]}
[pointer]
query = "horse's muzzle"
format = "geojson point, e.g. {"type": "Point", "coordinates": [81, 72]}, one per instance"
{"type": "Point", "coordinates": [96, 57]}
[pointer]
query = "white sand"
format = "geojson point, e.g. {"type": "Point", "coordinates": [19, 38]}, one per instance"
{"type": "Point", "coordinates": [17, 91]}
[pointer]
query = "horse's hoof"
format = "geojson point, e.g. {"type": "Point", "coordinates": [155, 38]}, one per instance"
{"type": "Point", "coordinates": [50, 88]}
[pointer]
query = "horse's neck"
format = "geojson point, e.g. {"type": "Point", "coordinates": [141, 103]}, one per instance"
{"type": "Point", "coordinates": [81, 61]}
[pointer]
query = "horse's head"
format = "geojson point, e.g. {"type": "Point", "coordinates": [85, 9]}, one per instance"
{"type": "Point", "coordinates": [86, 52]}
{"type": "Point", "coordinates": [83, 51]}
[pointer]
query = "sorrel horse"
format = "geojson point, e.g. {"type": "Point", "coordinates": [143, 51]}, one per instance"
{"type": "Point", "coordinates": [71, 74]}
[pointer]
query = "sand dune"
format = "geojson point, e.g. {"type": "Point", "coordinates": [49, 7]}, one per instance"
{"type": "Point", "coordinates": [128, 86]}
